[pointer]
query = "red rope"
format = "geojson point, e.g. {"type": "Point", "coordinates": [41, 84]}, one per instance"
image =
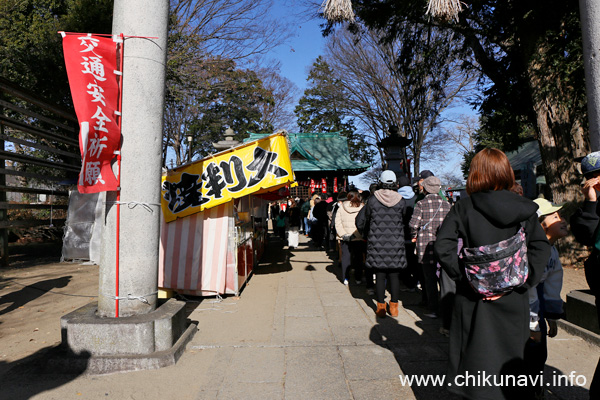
{"type": "Point", "coordinates": [108, 35]}
{"type": "Point", "coordinates": [119, 119]}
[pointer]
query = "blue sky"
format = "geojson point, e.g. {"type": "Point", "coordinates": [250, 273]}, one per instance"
{"type": "Point", "coordinates": [305, 45]}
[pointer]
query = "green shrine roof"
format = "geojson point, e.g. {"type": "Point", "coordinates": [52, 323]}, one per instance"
{"type": "Point", "coordinates": [326, 151]}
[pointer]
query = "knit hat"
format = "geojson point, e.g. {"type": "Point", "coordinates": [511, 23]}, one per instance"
{"type": "Point", "coordinates": [590, 163]}
{"type": "Point", "coordinates": [388, 177]}
{"type": "Point", "coordinates": [403, 181]}
{"type": "Point", "coordinates": [432, 184]}
{"type": "Point", "coordinates": [546, 207]}
{"type": "Point", "coordinates": [425, 174]}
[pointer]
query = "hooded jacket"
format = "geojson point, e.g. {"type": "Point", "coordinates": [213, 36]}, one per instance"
{"type": "Point", "coordinates": [497, 329]}
{"type": "Point", "coordinates": [382, 222]}
{"type": "Point", "coordinates": [345, 221]}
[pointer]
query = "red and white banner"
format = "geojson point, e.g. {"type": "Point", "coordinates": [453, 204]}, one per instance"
{"type": "Point", "coordinates": [312, 185]}
{"type": "Point", "coordinates": [335, 189]}
{"type": "Point", "coordinates": [323, 185]}
{"type": "Point", "coordinates": [92, 69]}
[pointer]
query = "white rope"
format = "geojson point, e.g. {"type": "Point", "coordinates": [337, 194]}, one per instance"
{"type": "Point", "coordinates": [132, 297]}
{"type": "Point", "coordinates": [338, 10]}
{"type": "Point", "coordinates": [133, 204]}
{"type": "Point", "coordinates": [444, 9]}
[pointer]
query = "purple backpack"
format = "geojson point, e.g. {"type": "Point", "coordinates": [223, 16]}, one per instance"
{"type": "Point", "coordinates": [497, 268]}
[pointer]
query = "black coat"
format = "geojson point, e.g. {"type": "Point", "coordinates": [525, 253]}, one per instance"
{"type": "Point", "coordinates": [320, 212]}
{"type": "Point", "coordinates": [584, 225]}
{"type": "Point", "coordinates": [294, 216]}
{"type": "Point", "coordinates": [381, 222]}
{"type": "Point", "coordinates": [489, 336]}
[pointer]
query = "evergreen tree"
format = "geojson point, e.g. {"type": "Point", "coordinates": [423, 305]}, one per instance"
{"type": "Point", "coordinates": [321, 109]}
{"type": "Point", "coordinates": [31, 48]}
{"type": "Point", "coordinates": [531, 53]}
{"type": "Point", "coordinates": [232, 98]}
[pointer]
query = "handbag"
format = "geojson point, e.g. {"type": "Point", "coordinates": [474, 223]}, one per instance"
{"type": "Point", "coordinates": [496, 269]}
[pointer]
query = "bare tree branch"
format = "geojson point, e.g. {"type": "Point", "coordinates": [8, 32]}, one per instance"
{"type": "Point", "coordinates": [399, 83]}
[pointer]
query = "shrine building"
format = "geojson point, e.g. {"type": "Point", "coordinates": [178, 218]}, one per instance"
{"type": "Point", "coordinates": [321, 162]}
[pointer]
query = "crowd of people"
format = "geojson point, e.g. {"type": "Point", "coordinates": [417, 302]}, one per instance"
{"type": "Point", "coordinates": [486, 265]}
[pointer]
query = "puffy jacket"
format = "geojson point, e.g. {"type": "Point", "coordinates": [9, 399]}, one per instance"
{"type": "Point", "coordinates": [382, 223]}
{"type": "Point", "coordinates": [345, 221]}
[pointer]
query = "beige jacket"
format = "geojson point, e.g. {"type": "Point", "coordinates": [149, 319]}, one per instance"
{"type": "Point", "coordinates": [345, 221]}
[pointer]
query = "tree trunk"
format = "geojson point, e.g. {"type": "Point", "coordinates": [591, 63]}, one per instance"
{"type": "Point", "coordinates": [560, 140]}
{"type": "Point", "coordinates": [559, 132]}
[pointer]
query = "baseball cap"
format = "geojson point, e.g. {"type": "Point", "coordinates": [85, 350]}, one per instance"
{"type": "Point", "coordinates": [387, 176]}
{"type": "Point", "coordinates": [546, 207]}
{"type": "Point", "coordinates": [590, 163]}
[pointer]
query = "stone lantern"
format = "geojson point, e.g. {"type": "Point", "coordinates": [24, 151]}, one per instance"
{"type": "Point", "coordinates": [394, 149]}
{"type": "Point", "coordinates": [228, 142]}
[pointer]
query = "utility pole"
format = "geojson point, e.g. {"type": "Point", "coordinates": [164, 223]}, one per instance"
{"type": "Point", "coordinates": [142, 125]}
{"type": "Point", "coordinates": [590, 25]}
{"type": "Point", "coordinates": [145, 334]}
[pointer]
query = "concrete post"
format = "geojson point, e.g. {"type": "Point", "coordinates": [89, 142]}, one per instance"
{"type": "Point", "coordinates": [590, 25]}
{"type": "Point", "coordinates": [143, 105]}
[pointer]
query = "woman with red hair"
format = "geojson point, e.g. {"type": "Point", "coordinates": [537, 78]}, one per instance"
{"type": "Point", "coordinates": [488, 333]}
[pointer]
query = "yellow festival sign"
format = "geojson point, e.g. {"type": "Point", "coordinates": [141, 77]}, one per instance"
{"type": "Point", "coordinates": [255, 167]}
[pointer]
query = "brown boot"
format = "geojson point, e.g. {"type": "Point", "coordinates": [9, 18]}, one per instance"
{"type": "Point", "coordinates": [393, 309]}
{"type": "Point", "coordinates": [380, 310]}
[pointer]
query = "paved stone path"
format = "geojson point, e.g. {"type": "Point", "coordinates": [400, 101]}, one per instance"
{"type": "Point", "coordinates": [296, 332]}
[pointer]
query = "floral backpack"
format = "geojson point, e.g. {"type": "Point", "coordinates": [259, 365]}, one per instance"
{"type": "Point", "coordinates": [498, 268]}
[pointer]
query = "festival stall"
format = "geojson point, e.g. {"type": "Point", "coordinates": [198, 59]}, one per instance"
{"type": "Point", "coordinates": [214, 219]}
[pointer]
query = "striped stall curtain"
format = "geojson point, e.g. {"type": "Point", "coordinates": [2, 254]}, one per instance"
{"type": "Point", "coordinates": [194, 255]}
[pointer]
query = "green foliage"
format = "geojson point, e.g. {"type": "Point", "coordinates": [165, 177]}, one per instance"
{"type": "Point", "coordinates": [505, 38]}
{"type": "Point", "coordinates": [231, 97]}
{"type": "Point", "coordinates": [31, 48]}
{"type": "Point", "coordinates": [321, 109]}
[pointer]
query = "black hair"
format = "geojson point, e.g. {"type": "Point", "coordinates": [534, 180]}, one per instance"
{"type": "Point", "coordinates": [390, 186]}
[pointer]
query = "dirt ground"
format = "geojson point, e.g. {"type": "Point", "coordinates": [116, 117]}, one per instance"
{"type": "Point", "coordinates": [32, 300]}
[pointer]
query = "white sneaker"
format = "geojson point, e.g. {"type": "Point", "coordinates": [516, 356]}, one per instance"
{"type": "Point", "coordinates": [346, 282]}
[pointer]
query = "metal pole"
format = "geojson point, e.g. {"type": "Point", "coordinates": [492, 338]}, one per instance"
{"type": "Point", "coordinates": [143, 105]}
{"type": "Point", "coordinates": [590, 25]}
{"type": "Point", "coordinates": [3, 213]}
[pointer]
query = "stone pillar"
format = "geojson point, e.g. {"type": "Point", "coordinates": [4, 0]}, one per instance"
{"type": "Point", "coordinates": [590, 25]}
{"type": "Point", "coordinates": [142, 126]}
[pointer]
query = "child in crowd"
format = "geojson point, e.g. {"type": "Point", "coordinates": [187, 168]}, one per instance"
{"type": "Point", "coordinates": [280, 224]}
{"type": "Point", "coordinates": [545, 303]}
